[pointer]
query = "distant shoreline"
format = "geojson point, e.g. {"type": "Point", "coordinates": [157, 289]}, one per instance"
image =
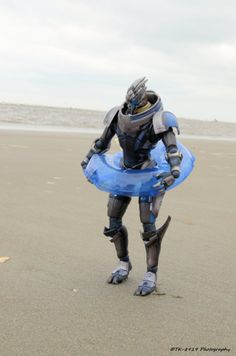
{"type": "Point", "coordinates": [83, 130]}
{"type": "Point", "coordinates": [38, 107]}
{"type": "Point", "coordinates": [56, 119]}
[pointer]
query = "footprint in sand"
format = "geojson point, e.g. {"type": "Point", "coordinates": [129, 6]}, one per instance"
{"type": "Point", "coordinates": [51, 182]}
{"type": "Point", "coordinates": [160, 293]}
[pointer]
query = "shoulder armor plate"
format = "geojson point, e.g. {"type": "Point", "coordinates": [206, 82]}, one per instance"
{"type": "Point", "coordinates": [110, 115]}
{"type": "Point", "coordinates": [163, 120]}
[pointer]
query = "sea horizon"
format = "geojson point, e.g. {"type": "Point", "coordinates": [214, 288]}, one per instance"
{"type": "Point", "coordinates": [41, 118]}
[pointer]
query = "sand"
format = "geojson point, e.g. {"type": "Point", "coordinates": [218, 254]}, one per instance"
{"type": "Point", "coordinates": [54, 299]}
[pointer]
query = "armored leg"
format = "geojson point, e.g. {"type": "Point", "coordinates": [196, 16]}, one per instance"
{"type": "Point", "coordinates": [117, 233]}
{"type": "Point", "coordinates": [152, 237]}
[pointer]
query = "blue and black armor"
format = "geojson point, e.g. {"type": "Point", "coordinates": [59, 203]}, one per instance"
{"type": "Point", "coordinates": [139, 123]}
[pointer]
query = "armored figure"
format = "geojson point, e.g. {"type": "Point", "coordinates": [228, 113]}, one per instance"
{"type": "Point", "coordinates": [139, 123]}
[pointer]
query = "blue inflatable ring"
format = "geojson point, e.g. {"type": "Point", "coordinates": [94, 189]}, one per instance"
{"type": "Point", "coordinates": [105, 172]}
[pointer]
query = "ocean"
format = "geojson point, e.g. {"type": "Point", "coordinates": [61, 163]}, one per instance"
{"type": "Point", "coordinates": [72, 120]}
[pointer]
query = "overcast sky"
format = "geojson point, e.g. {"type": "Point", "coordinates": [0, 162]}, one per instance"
{"type": "Point", "coordinates": [86, 53]}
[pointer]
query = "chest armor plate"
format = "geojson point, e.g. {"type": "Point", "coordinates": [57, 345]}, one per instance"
{"type": "Point", "coordinates": [135, 145]}
{"type": "Point", "coordinates": [133, 132]}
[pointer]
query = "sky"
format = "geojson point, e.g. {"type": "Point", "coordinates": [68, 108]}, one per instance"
{"type": "Point", "coordinates": [86, 53]}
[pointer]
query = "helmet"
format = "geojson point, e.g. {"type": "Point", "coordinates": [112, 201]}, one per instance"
{"type": "Point", "coordinates": [136, 95]}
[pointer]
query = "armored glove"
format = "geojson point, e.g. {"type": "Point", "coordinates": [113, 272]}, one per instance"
{"type": "Point", "coordinates": [174, 158]}
{"type": "Point", "coordinates": [165, 180]}
{"type": "Point", "coordinates": [99, 146]}
{"type": "Point", "coordinates": [84, 163]}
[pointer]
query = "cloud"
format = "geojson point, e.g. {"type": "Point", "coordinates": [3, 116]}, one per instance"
{"type": "Point", "coordinates": [53, 52]}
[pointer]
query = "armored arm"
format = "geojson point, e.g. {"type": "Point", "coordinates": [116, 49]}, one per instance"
{"type": "Point", "coordinates": [163, 124]}
{"type": "Point", "coordinates": [102, 144]}
{"type": "Point", "coordinates": [174, 157]}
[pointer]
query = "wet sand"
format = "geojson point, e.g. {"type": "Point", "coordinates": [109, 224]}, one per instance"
{"type": "Point", "coordinates": [54, 299]}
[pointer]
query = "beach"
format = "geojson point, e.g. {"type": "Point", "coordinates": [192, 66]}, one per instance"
{"type": "Point", "coordinates": [54, 296]}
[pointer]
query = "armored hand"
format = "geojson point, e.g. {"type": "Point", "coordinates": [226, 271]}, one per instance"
{"type": "Point", "coordinates": [84, 163]}
{"type": "Point", "coordinates": [86, 160]}
{"type": "Point", "coordinates": [165, 180]}
{"type": "Point", "coordinates": [99, 146]}
{"type": "Point", "coordinates": [174, 158]}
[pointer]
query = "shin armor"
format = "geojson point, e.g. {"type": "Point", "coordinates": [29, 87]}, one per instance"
{"type": "Point", "coordinates": [120, 239]}
{"type": "Point", "coordinates": [152, 241]}
{"type": "Point", "coordinates": [116, 232]}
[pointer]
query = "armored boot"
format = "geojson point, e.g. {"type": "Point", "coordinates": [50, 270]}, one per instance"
{"type": "Point", "coordinates": [152, 241]}
{"type": "Point", "coordinates": [120, 240]}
